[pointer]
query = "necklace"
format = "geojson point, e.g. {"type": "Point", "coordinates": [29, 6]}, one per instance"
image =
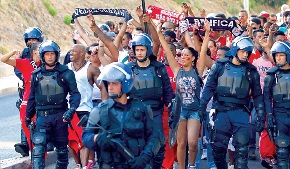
{"type": "Point", "coordinates": [79, 67]}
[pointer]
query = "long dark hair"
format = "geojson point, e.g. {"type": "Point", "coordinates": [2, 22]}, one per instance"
{"type": "Point", "coordinates": [194, 53]}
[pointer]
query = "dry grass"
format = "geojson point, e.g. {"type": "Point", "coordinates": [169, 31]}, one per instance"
{"type": "Point", "coordinates": [17, 15]}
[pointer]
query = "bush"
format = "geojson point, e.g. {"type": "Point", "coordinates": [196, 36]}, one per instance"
{"type": "Point", "coordinates": [67, 19]}
{"type": "Point", "coordinates": [50, 8]}
{"type": "Point", "coordinates": [275, 3]}
{"type": "Point", "coordinates": [181, 1]}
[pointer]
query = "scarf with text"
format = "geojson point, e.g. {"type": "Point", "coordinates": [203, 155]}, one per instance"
{"type": "Point", "coordinates": [164, 15]}
{"type": "Point", "coordinates": [216, 24]}
{"type": "Point", "coordinates": [101, 11]}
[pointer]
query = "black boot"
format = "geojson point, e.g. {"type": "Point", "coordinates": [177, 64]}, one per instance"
{"type": "Point", "coordinates": [22, 147]}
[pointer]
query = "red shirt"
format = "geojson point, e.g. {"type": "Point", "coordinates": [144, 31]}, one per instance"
{"type": "Point", "coordinates": [25, 67]}
{"type": "Point", "coordinates": [172, 81]}
{"type": "Point", "coordinates": [221, 41]}
{"type": "Point", "coordinates": [254, 56]}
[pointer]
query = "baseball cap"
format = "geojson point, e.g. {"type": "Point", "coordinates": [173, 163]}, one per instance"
{"type": "Point", "coordinates": [168, 25]}
{"type": "Point", "coordinates": [170, 34]}
{"type": "Point", "coordinates": [265, 14]}
{"type": "Point", "coordinates": [256, 20]}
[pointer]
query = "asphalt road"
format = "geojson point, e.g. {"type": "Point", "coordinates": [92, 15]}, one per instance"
{"type": "Point", "coordinates": [10, 134]}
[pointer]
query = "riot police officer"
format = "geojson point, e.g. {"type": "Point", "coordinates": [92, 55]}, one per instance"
{"type": "Point", "coordinates": [31, 35]}
{"type": "Point", "coordinates": [127, 137]}
{"type": "Point", "coordinates": [229, 82]}
{"type": "Point", "coordinates": [50, 85]}
{"type": "Point", "coordinates": [151, 83]}
{"type": "Point", "coordinates": [277, 101]}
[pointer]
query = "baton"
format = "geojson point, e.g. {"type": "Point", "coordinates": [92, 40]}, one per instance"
{"type": "Point", "coordinates": [144, 11]}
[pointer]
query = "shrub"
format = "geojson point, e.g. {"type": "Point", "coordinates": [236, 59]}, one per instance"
{"type": "Point", "coordinates": [49, 7]}
{"type": "Point", "coordinates": [67, 19]}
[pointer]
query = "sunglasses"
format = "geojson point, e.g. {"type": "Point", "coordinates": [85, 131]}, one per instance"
{"type": "Point", "coordinates": [91, 52]}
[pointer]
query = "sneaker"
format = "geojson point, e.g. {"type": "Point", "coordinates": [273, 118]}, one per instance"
{"type": "Point", "coordinates": [91, 164]}
{"type": "Point", "coordinates": [231, 166]}
{"type": "Point", "coordinates": [252, 155]}
{"type": "Point", "coordinates": [213, 168]}
{"type": "Point", "coordinates": [175, 165]}
{"type": "Point", "coordinates": [78, 166]}
{"type": "Point", "coordinates": [191, 167]}
{"type": "Point", "coordinates": [204, 154]}
{"type": "Point", "coordinates": [266, 165]}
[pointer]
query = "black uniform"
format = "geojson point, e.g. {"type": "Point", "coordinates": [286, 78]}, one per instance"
{"type": "Point", "coordinates": [277, 89]}
{"type": "Point", "coordinates": [230, 86]}
{"type": "Point", "coordinates": [127, 131]}
{"type": "Point", "coordinates": [152, 87]}
{"type": "Point", "coordinates": [49, 89]}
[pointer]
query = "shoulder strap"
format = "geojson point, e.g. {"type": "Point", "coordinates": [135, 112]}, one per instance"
{"type": "Point", "coordinates": [104, 107]}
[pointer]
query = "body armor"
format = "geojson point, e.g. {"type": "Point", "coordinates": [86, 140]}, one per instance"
{"type": "Point", "coordinates": [233, 85]}
{"type": "Point", "coordinates": [49, 92]}
{"type": "Point", "coordinates": [281, 90]}
{"type": "Point", "coordinates": [148, 86]}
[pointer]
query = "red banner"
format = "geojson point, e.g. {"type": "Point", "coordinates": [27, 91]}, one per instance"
{"type": "Point", "coordinates": [164, 15]}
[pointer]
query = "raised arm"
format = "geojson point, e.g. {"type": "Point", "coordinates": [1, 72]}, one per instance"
{"type": "Point", "coordinates": [7, 57]}
{"type": "Point", "coordinates": [82, 33]}
{"type": "Point", "coordinates": [103, 37]}
{"type": "Point", "coordinates": [202, 58]}
{"type": "Point", "coordinates": [170, 58]}
{"type": "Point", "coordinates": [153, 33]}
{"type": "Point", "coordinates": [119, 37]}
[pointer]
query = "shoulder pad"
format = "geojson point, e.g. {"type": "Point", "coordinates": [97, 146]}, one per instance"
{"type": "Point", "coordinates": [132, 64]}
{"type": "Point", "coordinates": [36, 70]}
{"type": "Point", "coordinates": [249, 65]}
{"type": "Point", "coordinates": [61, 68]}
{"type": "Point", "coordinates": [223, 60]}
{"type": "Point", "coordinates": [156, 63]}
{"type": "Point", "coordinates": [108, 102]}
{"type": "Point", "coordinates": [272, 70]}
{"type": "Point", "coordinates": [94, 116]}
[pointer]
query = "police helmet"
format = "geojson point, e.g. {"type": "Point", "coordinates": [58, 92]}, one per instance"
{"type": "Point", "coordinates": [48, 46]}
{"type": "Point", "coordinates": [117, 71]}
{"type": "Point", "coordinates": [33, 33]}
{"type": "Point", "coordinates": [281, 47]}
{"type": "Point", "coordinates": [143, 39]}
{"type": "Point", "coordinates": [105, 27]}
{"type": "Point", "coordinates": [241, 42]}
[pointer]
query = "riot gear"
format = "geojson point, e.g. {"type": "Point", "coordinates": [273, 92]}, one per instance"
{"type": "Point", "coordinates": [241, 43]}
{"type": "Point", "coordinates": [281, 47]}
{"type": "Point", "coordinates": [49, 46]}
{"type": "Point", "coordinates": [32, 33]}
{"type": "Point", "coordinates": [143, 39]}
{"type": "Point", "coordinates": [117, 72]}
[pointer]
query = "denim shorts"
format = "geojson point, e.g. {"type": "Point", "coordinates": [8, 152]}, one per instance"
{"type": "Point", "coordinates": [188, 114]}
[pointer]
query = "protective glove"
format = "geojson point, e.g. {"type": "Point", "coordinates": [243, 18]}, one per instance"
{"type": "Point", "coordinates": [202, 115]}
{"type": "Point", "coordinates": [139, 162]}
{"type": "Point", "coordinates": [69, 114]}
{"type": "Point", "coordinates": [259, 125]}
{"type": "Point", "coordinates": [170, 121]}
{"type": "Point", "coordinates": [104, 142]}
{"type": "Point", "coordinates": [27, 122]}
{"type": "Point", "coordinates": [270, 120]}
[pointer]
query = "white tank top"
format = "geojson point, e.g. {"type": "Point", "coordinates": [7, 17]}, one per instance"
{"type": "Point", "coordinates": [84, 87]}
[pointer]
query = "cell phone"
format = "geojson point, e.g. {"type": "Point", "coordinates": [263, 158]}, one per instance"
{"type": "Point", "coordinates": [275, 28]}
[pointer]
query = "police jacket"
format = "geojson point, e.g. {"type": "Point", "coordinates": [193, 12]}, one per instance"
{"type": "Point", "coordinates": [49, 89]}
{"type": "Point", "coordinates": [151, 84]}
{"type": "Point", "coordinates": [232, 84]}
{"type": "Point", "coordinates": [132, 124]}
{"type": "Point", "coordinates": [277, 90]}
